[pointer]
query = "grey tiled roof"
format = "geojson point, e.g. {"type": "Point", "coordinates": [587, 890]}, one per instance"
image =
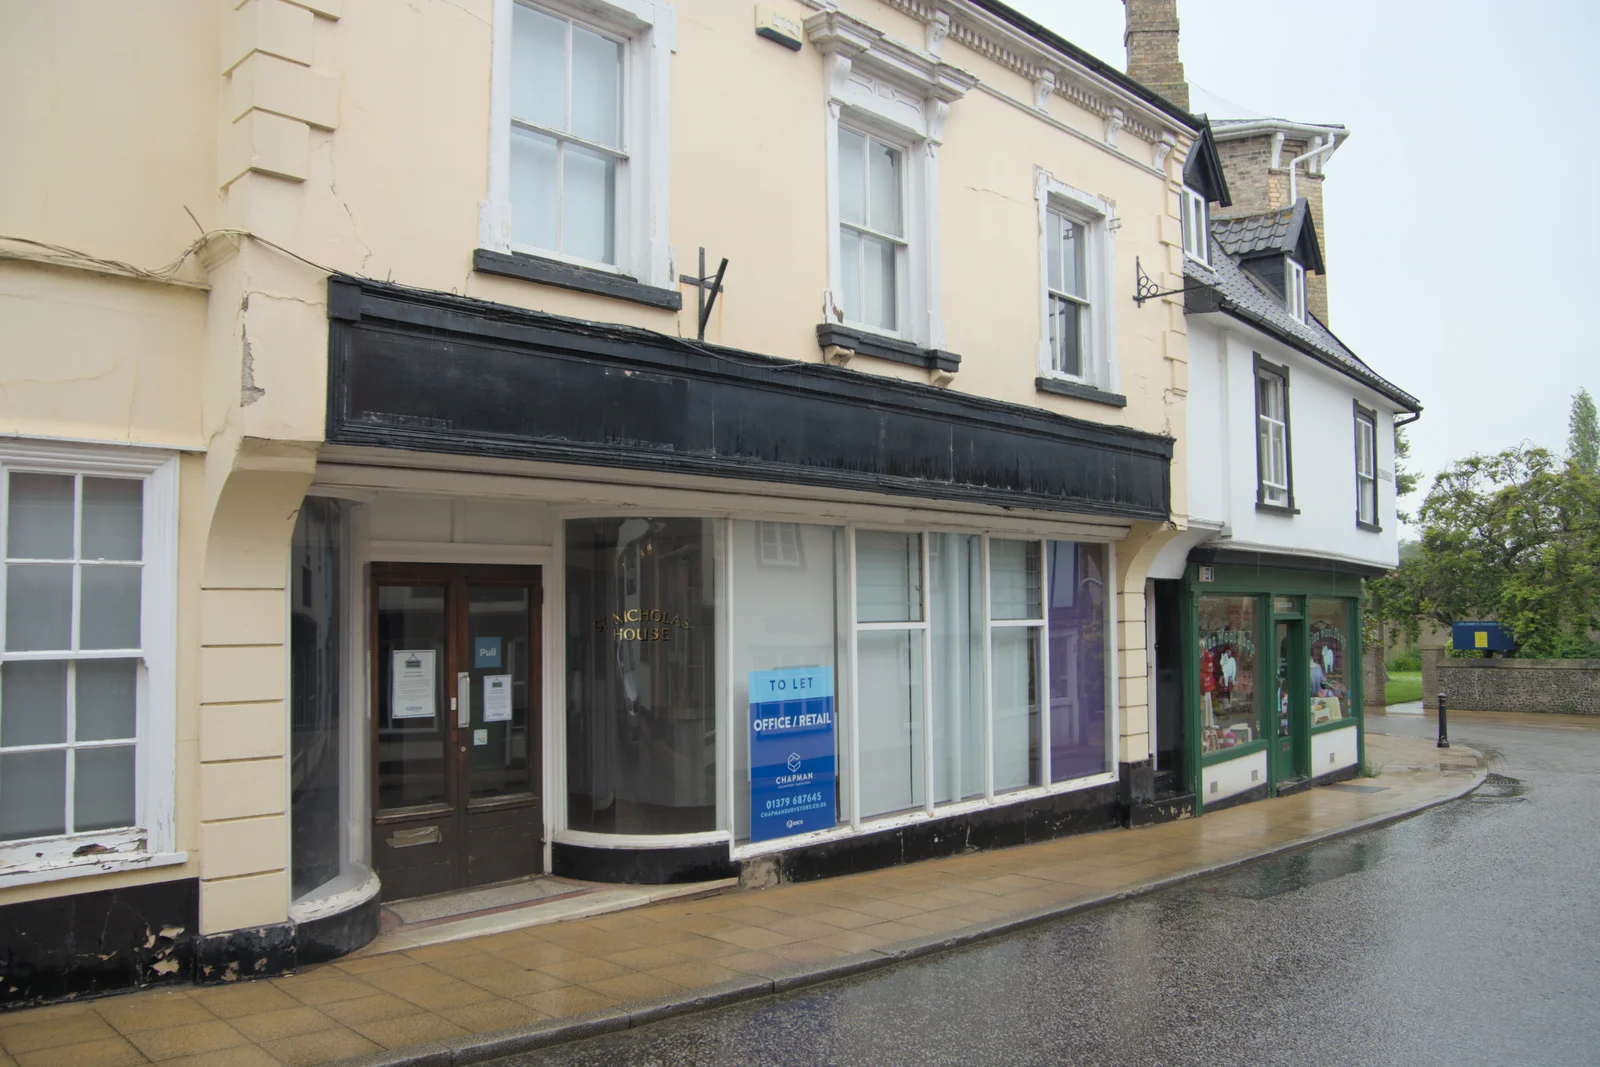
{"type": "Point", "coordinates": [1248, 299]}
{"type": "Point", "coordinates": [1272, 231]}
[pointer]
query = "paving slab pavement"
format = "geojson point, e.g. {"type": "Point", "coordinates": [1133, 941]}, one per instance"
{"type": "Point", "coordinates": [477, 998]}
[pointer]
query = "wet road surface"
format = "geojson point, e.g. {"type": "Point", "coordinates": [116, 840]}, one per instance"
{"type": "Point", "coordinates": [1467, 935]}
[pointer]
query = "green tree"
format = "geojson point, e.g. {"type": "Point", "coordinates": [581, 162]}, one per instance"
{"type": "Point", "coordinates": [1405, 480]}
{"type": "Point", "coordinates": [1513, 536]}
{"type": "Point", "coordinates": [1583, 434]}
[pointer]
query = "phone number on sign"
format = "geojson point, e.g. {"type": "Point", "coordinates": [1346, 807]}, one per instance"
{"type": "Point", "coordinates": [799, 800]}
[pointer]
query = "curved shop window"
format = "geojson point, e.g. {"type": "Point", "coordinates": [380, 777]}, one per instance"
{"type": "Point", "coordinates": [327, 842]}
{"type": "Point", "coordinates": [642, 675]}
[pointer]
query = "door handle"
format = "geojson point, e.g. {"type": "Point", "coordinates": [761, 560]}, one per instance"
{"type": "Point", "coordinates": [463, 699]}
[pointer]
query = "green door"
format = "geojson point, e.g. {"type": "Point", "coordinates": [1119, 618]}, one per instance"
{"type": "Point", "coordinates": [1287, 718]}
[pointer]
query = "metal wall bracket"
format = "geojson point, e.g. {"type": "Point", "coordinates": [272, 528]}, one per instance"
{"type": "Point", "coordinates": [702, 284]}
{"type": "Point", "coordinates": [1145, 289]}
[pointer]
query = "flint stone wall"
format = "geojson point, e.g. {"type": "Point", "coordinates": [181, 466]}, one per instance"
{"type": "Point", "coordinates": [1548, 686]}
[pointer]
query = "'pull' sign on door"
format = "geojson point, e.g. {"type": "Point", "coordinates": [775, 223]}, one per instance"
{"type": "Point", "coordinates": [791, 752]}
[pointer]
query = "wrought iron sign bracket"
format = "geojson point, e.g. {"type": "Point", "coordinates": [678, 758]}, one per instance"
{"type": "Point", "coordinates": [1145, 289]}
{"type": "Point", "coordinates": [712, 286]}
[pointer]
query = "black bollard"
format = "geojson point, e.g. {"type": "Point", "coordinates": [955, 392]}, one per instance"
{"type": "Point", "coordinates": [1444, 732]}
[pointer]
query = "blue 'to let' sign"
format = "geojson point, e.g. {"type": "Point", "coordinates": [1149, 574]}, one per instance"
{"type": "Point", "coordinates": [792, 764]}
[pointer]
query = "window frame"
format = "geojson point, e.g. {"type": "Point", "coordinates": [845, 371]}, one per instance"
{"type": "Point", "coordinates": [1294, 288]}
{"type": "Point", "coordinates": [1099, 367]}
{"type": "Point", "coordinates": [1195, 213]}
{"type": "Point", "coordinates": [904, 266]}
{"type": "Point", "coordinates": [872, 83]}
{"type": "Point", "coordinates": [151, 841]}
{"type": "Point", "coordinates": [1280, 373]}
{"type": "Point", "coordinates": [731, 721]}
{"type": "Point", "coordinates": [1368, 418]}
{"type": "Point", "coordinates": [648, 31]}
{"type": "Point", "coordinates": [563, 138]}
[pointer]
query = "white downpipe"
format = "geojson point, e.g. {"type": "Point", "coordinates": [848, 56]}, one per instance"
{"type": "Point", "coordinates": [1333, 142]}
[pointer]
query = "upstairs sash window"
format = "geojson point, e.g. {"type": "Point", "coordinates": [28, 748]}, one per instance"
{"type": "Point", "coordinates": [567, 135]}
{"type": "Point", "coordinates": [1272, 438]}
{"type": "Point", "coordinates": [872, 231]}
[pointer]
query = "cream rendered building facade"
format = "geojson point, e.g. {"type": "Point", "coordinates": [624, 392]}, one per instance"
{"type": "Point", "coordinates": [323, 174]}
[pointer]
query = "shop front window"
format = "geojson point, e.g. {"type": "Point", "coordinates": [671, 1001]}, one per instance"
{"type": "Point", "coordinates": [642, 675]}
{"type": "Point", "coordinates": [326, 853]}
{"type": "Point", "coordinates": [785, 612]}
{"type": "Point", "coordinates": [1079, 731]}
{"type": "Point", "coordinates": [1016, 613]}
{"type": "Point", "coordinates": [955, 587]}
{"type": "Point", "coordinates": [1330, 649]}
{"type": "Point", "coordinates": [891, 642]}
{"type": "Point", "coordinates": [937, 646]}
{"type": "Point", "coordinates": [1229, 672]}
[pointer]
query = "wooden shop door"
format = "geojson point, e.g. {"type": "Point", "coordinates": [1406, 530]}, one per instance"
{"type": "Point", "coordinates": [456, 726]}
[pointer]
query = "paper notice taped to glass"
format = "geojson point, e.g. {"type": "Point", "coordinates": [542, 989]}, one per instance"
{"type": "Point", "coordinates": [497, 698]}
{"type": "Point", "coordinates": [412, 683]}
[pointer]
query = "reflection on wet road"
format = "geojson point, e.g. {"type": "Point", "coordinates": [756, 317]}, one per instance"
{"type": "Point", "coordinates": [1467, 935]}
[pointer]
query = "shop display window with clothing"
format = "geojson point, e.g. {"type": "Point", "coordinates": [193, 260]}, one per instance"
{"type": "Point", "coordinates": [1303, 726]}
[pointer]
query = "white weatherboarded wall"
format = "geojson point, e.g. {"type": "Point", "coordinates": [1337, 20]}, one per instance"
{"type": "Point", "coordinates": [1222, 450]}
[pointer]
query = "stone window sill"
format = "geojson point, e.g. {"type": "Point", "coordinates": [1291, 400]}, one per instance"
{"type": "Point", "coordinates": [570, 276]}
{"type": "Point", "coordinates": [863, 343]}
{"type": "Point", "coordinates": [1079, 391]}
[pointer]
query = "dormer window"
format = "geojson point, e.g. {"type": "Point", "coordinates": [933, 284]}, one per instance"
{"type": "Point", "coordinates": [1196, 225]}
{"type": "Point", "coordinates": [1294, 288]}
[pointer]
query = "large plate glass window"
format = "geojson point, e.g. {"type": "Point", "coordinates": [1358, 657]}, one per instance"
{"type": "Point", "coordinates": [1229, 672]}
{"type": "Point", "coordinates": [1079, 722]}
{"type": "Point", "coordinates": [955, 591]}
{"type": "Point", "coordinates": [73, 671]}
{"type": "Point", "coordinates": [1366, 467]}
{"type": "Point", "coordinates": [1330, 659]}
{"type": "Point", "coordinates": [787, 607]}
{"type": "Point", "coordinates": [872, 231]}
{"type": "Point", "coordinates": [642, 675]}
{"type": "Point", "coordinates": [1016, 609]}
{"type": "Point", "coordinates": [891, 648]}
{"type": "Point", "coordinates": [567, 135]}
{"type": "Point", "coordinates": [326, 851]}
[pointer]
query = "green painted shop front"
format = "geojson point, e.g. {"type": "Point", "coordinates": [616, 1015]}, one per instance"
{"type": "Point", "coordinates": [1271, 680]}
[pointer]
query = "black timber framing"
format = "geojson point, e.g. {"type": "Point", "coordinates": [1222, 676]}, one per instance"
{"type": "Point", "coordinates": [432, 372]}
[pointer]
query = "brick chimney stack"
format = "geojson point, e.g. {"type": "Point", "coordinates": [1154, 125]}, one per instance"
{"type": "Point", "coordinates": [1151, 39]}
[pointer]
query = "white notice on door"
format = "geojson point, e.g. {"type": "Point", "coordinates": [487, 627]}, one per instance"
{"type": "Point", "coordinates": [497, 698]}
{"type": "Point", "coordinates": [411, 690]}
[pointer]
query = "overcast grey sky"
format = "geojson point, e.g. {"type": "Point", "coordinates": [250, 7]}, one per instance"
{"type": "Point", "coordinates": [1461, 215]}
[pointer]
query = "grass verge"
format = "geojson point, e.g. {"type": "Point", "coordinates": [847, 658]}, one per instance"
{"type": "Point", "coordinates": [1403, 687]}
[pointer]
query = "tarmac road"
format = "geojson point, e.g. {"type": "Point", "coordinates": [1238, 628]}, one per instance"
{"type": "Point", "coordinates": [1467, 935]}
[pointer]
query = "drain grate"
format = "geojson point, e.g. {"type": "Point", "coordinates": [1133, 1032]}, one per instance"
{"type": "Point", "coordinates": [1499, 789]}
